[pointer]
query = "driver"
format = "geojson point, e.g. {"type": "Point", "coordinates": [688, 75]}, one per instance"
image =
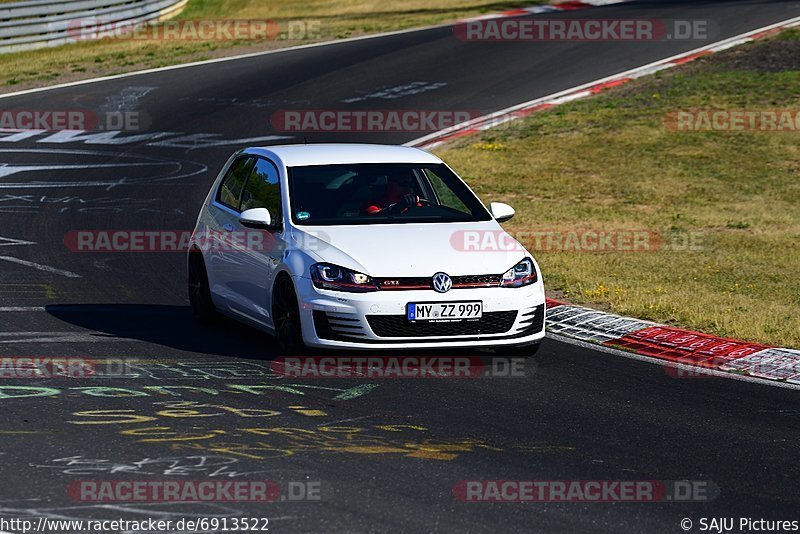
{"type": "Point", "coordinates": [397, 196]}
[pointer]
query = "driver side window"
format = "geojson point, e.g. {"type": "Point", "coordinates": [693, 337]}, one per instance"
{"type": "Point", "coordinates": [263, 190]}
{"type": "Point", "coordinates": [230, 191]}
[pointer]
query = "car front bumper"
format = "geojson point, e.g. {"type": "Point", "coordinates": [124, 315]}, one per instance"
{"type": "Point", "coordinates": [377, 320]}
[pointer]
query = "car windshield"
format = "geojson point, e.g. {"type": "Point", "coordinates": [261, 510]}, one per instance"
{"type": "Point", "coordinates": [380, 193]}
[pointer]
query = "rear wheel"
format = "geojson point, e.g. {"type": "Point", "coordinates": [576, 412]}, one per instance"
{"type": "Point", "coordinates": [286, 318]}
{"type": "Point", "coordinates": [199, 291]}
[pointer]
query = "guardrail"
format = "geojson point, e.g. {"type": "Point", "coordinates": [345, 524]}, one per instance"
{"type": "Point", "coordinates": [43, 23]}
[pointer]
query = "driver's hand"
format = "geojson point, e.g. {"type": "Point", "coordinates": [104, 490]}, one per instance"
{"type": "Point", "coordinates": [406, 202]}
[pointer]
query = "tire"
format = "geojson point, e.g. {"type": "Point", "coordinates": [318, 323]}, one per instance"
{"type": "Point", "coordinates": [199, 292]}
{"type": "Point", "coordinates": [286, 318]}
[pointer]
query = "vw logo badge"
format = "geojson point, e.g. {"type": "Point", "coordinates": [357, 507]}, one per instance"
{"type": "Point", "coordinates": [442, 283]}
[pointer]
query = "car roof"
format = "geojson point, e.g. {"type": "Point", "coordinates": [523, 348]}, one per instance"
{"type": "Point", "coordinates": [343, 153]}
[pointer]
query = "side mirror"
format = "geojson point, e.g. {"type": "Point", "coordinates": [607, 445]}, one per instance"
{"type": "Point", "coordinates": [256, 218]}
{"type": "Point", "coordinates": [501, 212]}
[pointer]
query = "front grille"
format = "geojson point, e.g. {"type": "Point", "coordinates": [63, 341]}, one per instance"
{"type": "Point", "coordinates": [399, 326]}
{"type": "Point", "coordinates": [426, 282]}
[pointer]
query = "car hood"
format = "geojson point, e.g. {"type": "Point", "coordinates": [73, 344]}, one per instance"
{"type": "Point", "coordinates": [395, 250]}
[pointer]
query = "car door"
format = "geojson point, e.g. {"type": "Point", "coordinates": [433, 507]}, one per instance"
{"type": "Point", "coordinates": [260, 251]}
{"type": "Point", "coordinates": [223, 212]}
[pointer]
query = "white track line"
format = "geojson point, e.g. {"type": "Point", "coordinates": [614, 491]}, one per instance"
{"type": "Point", "coordinates": [11, 242]}
{"type": "Point", "coordinates": [46, 268]}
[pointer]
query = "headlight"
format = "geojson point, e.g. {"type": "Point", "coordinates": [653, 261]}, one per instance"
{"type": "Point", "coordinates": [522, 274]}
{"type": "Point", "coordinates": [327, 276]}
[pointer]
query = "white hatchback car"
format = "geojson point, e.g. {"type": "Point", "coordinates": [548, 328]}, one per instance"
{"type": "Point", "coordinates": [361, 247]}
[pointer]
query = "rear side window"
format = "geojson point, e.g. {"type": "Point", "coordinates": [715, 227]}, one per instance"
{"type": "Point", "coordinates": [230, 191]}
{"type": "Point", "coordinates": [263, 190]}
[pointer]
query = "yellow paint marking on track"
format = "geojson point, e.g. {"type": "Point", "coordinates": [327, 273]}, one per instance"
{"type": "Point", "coordinates": [430, 455]}
{"type": "Point", "coordinates": [374, 449]}
{"type": "Point", "coordinates": [399, 428]}
{"type": "Point", "coordinates": [312, 413]}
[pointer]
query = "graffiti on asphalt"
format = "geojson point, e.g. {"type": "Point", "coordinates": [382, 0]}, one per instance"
{"type": "Point", "coordinates": [205, 465]}
{"type": "Point", "coordinates": [10, 203]}
{"type": "Point", "coordinates": [27, 392]}
{"type": "Point", "coordinates": [262, 443]}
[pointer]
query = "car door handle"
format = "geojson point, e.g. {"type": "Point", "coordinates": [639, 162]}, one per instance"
{"type": "Point", "coordinates": [227, 227]}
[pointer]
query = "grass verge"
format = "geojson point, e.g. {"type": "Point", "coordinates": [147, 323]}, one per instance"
{"type": "Point", "coordinates": [329, 20]}
{"type": "Point", "coordinates": [609, 163]}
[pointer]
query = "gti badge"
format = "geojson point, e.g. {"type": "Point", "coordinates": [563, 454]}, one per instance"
{"type": "Point", "coordinates": [442, 283]}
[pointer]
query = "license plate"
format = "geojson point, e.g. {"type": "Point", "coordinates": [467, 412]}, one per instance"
{"type": "Point", "coordinates": [444, 311]}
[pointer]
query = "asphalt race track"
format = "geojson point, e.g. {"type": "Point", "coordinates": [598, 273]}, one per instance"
{"type": "Point", "coordinates": [386, 453]}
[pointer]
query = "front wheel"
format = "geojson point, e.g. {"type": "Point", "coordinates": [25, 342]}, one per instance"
{"type": "Point", "coordinates": [286, 318]}
{"type": "Point", "coordinates": [199, 291]}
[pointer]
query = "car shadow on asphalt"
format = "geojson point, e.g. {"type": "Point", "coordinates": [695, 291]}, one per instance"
{"type": "Point", "coordinates": [174, 327]}
{"type": "Point", "coordinates": [169, 326]}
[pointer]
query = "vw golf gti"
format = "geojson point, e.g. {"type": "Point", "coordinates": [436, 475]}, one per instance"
{"type": "Point", "coordinates": [361, 247]}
